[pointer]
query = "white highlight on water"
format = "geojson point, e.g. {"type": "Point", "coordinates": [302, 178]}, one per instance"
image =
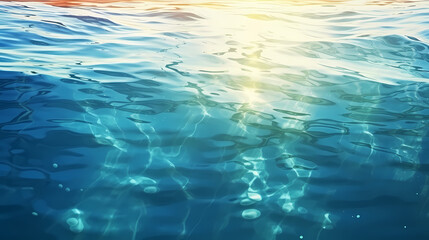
{"type": "Point", "coordinates": [251, 213]}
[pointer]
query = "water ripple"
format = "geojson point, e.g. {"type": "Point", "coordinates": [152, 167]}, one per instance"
{"type": "Point", "coordinates": [211, 120]}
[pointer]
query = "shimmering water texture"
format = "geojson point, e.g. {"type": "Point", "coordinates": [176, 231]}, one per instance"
{"type": "Point", "coordinates": [214, 120]}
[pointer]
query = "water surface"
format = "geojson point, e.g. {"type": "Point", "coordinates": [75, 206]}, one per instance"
{"type": "Point", "coordinates": [214, 120]}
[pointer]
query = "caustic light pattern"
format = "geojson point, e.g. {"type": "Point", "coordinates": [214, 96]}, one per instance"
{"type": "Point", "coordinates": [214, 120]}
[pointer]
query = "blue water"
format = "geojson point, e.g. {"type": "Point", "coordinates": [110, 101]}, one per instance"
{"type": "Point", "coordinates": [214, 120]}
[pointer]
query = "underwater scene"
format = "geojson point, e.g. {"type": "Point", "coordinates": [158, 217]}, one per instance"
{"type": "Point", "coordinates": [214, 119]}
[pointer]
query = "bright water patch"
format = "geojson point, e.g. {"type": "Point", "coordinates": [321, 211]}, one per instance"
{"type": "Point", "coordinates": [214, 120]}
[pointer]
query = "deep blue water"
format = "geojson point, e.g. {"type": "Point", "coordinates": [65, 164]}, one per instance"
{"type": "Point", "coordinates": [214, 120]}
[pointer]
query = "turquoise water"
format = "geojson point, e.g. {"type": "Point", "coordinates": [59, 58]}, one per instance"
{"type": "Point", "coordinates": [214, 120]}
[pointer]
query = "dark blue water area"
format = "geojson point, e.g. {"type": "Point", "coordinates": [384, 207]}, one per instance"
{"type": "Point", "coordinates": [220, 120]}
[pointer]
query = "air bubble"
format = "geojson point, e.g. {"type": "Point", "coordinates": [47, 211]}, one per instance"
{"type": "Point", "coordinates": [251, 213]}
{"type": "Point", "coordinates": [75, 225]}
{"type": "Point", "coordinates": [246, 202]}
{"type": "Point", "coordinates": [254, 196]}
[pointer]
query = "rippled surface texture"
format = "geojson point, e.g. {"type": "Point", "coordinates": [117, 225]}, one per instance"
{"type": "Point", "coordinates": [214, 120]}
